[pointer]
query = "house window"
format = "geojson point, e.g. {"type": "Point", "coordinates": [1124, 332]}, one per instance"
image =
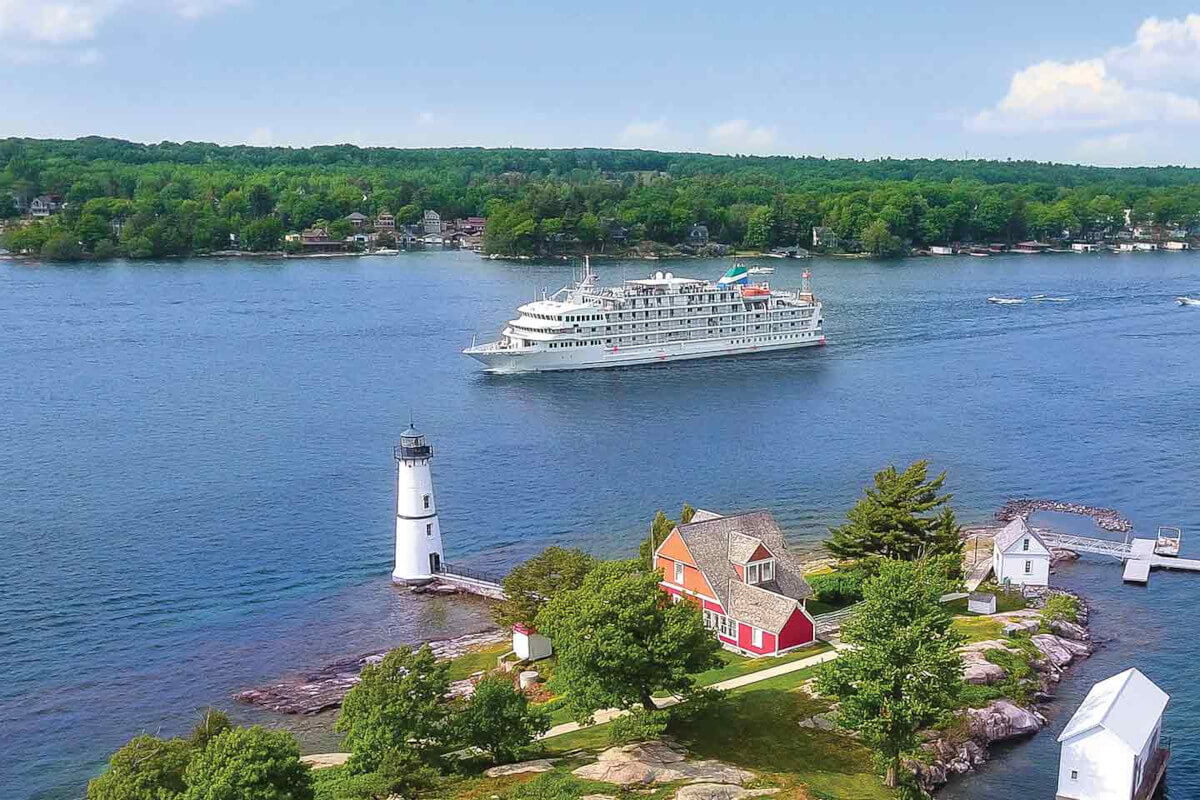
{"type": "Point", "coordinates": [768, 571]}
{"type": "Point", "coordinates": [1028, 567]}
{"type": "Point", "coordinates": [756, 637]}
{"type": "Point", "coordinates": [679, 573]}
{"type": "Point", "coordinates": [425, 500]}
{"type": "Point", "coordinates": [726, 626]}
{"type": "Point", "coordinates": [429, 529]}
{"type": "Point", "coordinates": [1025, 544]}
{"type": "Point", "coordinates": [752, 573]}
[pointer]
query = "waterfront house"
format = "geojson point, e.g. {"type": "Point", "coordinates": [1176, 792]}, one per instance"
{"type": "Point", "coordinates": [357, 220]}
{"type": "Point", "coordinates": [824, 237]}
{"type": "Point", "coordinates": [316, 240]}
{"type": "Point", "coordinates": [1112, 748]}
{"type": "Point", "coordinates": [941, 250]}
{"type": "Point", "coordinates": [433, 223]}
{"type": "Point", "coordinates": [697, 235]}
{"type": "Point", "coordinates": [739, 571]}
{"type": "Point", "coordinates": [1019, 555]}
{"type": "Point", "coordinates": [385, 222]}
{"type": "Point", "coordinates": [1083, 247]}
{"type": "Point", "coordinates": [1173, 245]}
{"type": "Point", "coordinates": [44, 205]}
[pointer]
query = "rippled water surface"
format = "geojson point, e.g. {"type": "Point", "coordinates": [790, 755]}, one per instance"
{"type": "Point", "coordinates": [195, 461]}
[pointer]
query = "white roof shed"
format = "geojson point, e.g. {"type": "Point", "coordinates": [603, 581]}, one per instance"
{"type": "Point", "coordinates": [1128, 705]}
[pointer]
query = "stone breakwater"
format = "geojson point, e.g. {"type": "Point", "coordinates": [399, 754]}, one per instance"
{"type": "Point", "coordinates": [1105, 518]}
{"type": "Point", "coordinates": [965, 747]}
{"type": "Point", "coordinates": [324, 689]}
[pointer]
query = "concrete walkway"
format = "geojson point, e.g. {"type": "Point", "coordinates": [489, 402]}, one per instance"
{"type": "Point", "coordinates": [609, 714]}
{"type": "Point", "coordinates": [323, 760]}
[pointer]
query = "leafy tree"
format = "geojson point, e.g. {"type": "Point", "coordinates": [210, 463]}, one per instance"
{"type": "Point", "coordinates": [211, 725]}
{"type": "Point", "coordinates": [397, 709]}
{"type": "Point", "coordinates": [903, 515]}
{"type": "Point", "coordinates": [499, 720]}
{"type": "Point", "coordinates": [880, 241]}
{"type": "Point", "coordinates": [902, 672]}
{"type": "Point", "coordinates": [758, 227]}
{"type": "Point", "coordinates": [685, 516]}
{"type": "Point", "coordinates": [249, 764]}
{"type": "Point", "coordinates": [529, 586]}
{"type": "Point", "coordinates": [619, 640]}
{"type": "Point", "coordinates": [147, 768]}
{"type": "Point", "coordinates": [8, 206]}
{"type": "Point", "coordinates": [62, 247]}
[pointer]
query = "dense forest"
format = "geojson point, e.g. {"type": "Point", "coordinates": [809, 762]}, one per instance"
{"type": "Point", "coordinates": [136, 200]}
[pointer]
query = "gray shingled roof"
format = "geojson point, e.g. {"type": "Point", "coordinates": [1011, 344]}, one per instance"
{"type": "Point", "coordinates": [741, 547]}
{"type": "Point", "coordinates": [704, 515]}
{"type": "Point", "coordinates": [708, 541]}
{"type": "Point", "coordinates": [1013, 531]}
{"type": "Point", "coordinates": [759, 607]}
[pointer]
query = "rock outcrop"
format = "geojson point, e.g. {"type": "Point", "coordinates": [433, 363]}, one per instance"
{"type": "Point", "coordinates": [659, 762]}
{"type": "Point", "coordinates": [325, 688]}
{"type": "Point", "coordinates": [536, 765]}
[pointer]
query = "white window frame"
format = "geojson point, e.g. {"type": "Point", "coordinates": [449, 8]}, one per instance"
{"type": "Point", "coordinates": [756, 637]}
{"type": "Point", "coordinates": [760, 571]}
{"type": "Point", "coordinates": [1028, 567]}
{"type": "Point", "coordinates": [1025, 545]}
{"type": "Point", "coordinates": [752, 573]}
{"type": "Point", "coordinates": [678, 573]}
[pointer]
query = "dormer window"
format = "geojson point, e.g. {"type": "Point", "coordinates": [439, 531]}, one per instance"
{"type": "Point", "coordinates": [760, 572]}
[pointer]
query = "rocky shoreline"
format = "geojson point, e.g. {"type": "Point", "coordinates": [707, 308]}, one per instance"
{"type": "Point", "coordinates": [1107, 519]}
{"type": "Point", "coordinates": [964, 748]}
{"type": "Point", "coordinates": [324, 689]}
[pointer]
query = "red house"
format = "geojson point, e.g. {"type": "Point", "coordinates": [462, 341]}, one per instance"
{"type": "Point", "coordinates": [739, 571]}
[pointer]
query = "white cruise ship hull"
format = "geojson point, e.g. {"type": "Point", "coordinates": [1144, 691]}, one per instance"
{"type": "Point", "coordinates": [508, 360]}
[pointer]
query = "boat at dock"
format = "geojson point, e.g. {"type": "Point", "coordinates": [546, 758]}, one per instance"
{"type": "Point", "coordinates": [762, 270]}
{"type": "Point", "coordinates": [653, 320]}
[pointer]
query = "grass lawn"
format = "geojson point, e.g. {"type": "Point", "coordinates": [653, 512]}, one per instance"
{"type": "Point", "coordinates": [816, 607]}
{"type": "Point", "coordinates": [734, 665]}
{"type": "Point", "coordinates": [1005, 602]}
{"type": "Point", "coordinates": [481, 659]}
{"type": "Point", "coordinates": [978, 629]}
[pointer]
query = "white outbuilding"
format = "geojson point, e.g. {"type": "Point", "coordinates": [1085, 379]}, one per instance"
{"type": "Point", "coordinates": [1112, 748]}
{"type": "Point", "coordinates": [529, 645]}
{"type": "Point", "coordinates": [1019, 556]}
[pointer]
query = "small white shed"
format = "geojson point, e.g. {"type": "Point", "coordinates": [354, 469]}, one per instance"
{"type": "Point", "coordinates": [529, 645]}
{"type": "Point", "coordinates": [1020, 556]}
{"type": "Point", "coordinates": [981, 603]}
{"type": "Point", "coordinates": [1111, 747]}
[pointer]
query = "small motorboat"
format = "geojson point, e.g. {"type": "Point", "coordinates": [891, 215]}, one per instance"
{"type": "Point", "coordinates": [1041, 298]}
{"type": "Point", "coordinates": [761, 270]}
{"type": "Point", "coordinates": [1006, 301]}
{"type": "Point", "coordinates": [1187, 301]}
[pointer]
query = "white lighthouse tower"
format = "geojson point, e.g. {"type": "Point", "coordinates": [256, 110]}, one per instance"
{"type": "Point", "coordinates": [418, 537]}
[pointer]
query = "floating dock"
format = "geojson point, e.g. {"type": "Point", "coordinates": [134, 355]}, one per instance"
{"type": "Point", "coordinates": [1139, 555]}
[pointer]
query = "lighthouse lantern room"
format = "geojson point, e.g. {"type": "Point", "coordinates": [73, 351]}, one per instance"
{"type": "Point", "coordinates": [418, 536]}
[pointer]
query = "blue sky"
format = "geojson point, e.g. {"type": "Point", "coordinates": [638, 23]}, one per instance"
{"type": "Point", "coordinates": [1108, 83]}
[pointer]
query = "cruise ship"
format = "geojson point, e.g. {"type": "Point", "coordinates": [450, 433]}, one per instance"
{"type": "Point", "coordinates": [657, 319]}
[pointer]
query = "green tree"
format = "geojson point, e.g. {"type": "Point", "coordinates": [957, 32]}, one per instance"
{"type": "Point", "coordinates": [397, 707]}
{"type": "Point", "coordinates": [685, 516]}
{"type": "Point", "coordinates": [62, 247]}
{"type": "Point", "coordinates": [529, 586]}
{"type": "Point", "coordinates": [619, 640]}
{"type": "Point", "coordinates": [249, 764]}
{"type": "Point", "coordinates": [211, 725]}
{"type": "Point", "coordinates": [147, 768]}
{"type": "Point", "coordinates": [499, 720]}
{"type": "Point", "coordinates": [880, 241]}
{"type": "Point", "coordinates": [660, 529]}
{"type": "Point", "coordinates": [902, 672]}
{"type": "Point", "coordinates": [758, 227]}
{"type": "Point", "coordinates": [903, 515]}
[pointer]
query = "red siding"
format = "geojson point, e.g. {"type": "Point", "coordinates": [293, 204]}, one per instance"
{"type": "Point", "coordinates": [746, 640]}
{"type": "Point", "coordinates": [797, 631]}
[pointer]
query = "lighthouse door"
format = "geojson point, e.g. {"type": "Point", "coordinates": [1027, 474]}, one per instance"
{"type": "Point", "coordinates": [435, 563]}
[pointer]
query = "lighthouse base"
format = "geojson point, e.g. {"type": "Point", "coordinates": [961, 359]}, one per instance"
{"type": "Point", "coordinates": [405, 580]}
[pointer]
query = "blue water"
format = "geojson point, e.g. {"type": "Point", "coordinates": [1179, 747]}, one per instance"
{"type": "Point", "coordinates": [195, 460]}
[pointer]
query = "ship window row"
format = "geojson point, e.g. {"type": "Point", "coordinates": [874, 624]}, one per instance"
{"type": "Point", "coordinates": [580, 343]}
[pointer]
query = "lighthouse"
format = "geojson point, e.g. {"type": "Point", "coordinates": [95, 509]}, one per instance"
{"type": "Point", "coordinates": [418, 536]}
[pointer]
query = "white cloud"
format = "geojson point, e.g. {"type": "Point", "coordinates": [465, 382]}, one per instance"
{"type": "Point", "coordinates": [739, 136]}
{"type": "Point", "coordinates": [643, 133]}
{"type": "Point", "coordinates": [1163, 49]}
{"type": "Point", "coordinates": [1079, 94]}
{"type": "Point", "coordinates": [51, 22]}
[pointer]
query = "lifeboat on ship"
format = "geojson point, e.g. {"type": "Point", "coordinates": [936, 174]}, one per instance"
{"type": "Point", "coordinates": [756, 292]}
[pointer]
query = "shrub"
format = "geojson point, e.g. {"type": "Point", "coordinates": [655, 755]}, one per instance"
{"type": "Point", "coordinates": [839, 587]}
{"type": "Point", "coordinates": [556, 786]}
{"type": "Point", "coordinates": [638, 726]}
{"type": "Point", "coordinates": [1061, 607]}
{"type": "Point", "coordinates": [249, 763]}
{"type": "Point", "coordinates": [499, 720]}
{"type": "Point", "coordinates": [62, 247]}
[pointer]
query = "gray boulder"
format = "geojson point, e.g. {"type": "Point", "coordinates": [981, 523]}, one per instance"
{"type": "Point", "coordinates": [536, 765]}
{"type": "Point", "coordinates": [1001, 720]}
